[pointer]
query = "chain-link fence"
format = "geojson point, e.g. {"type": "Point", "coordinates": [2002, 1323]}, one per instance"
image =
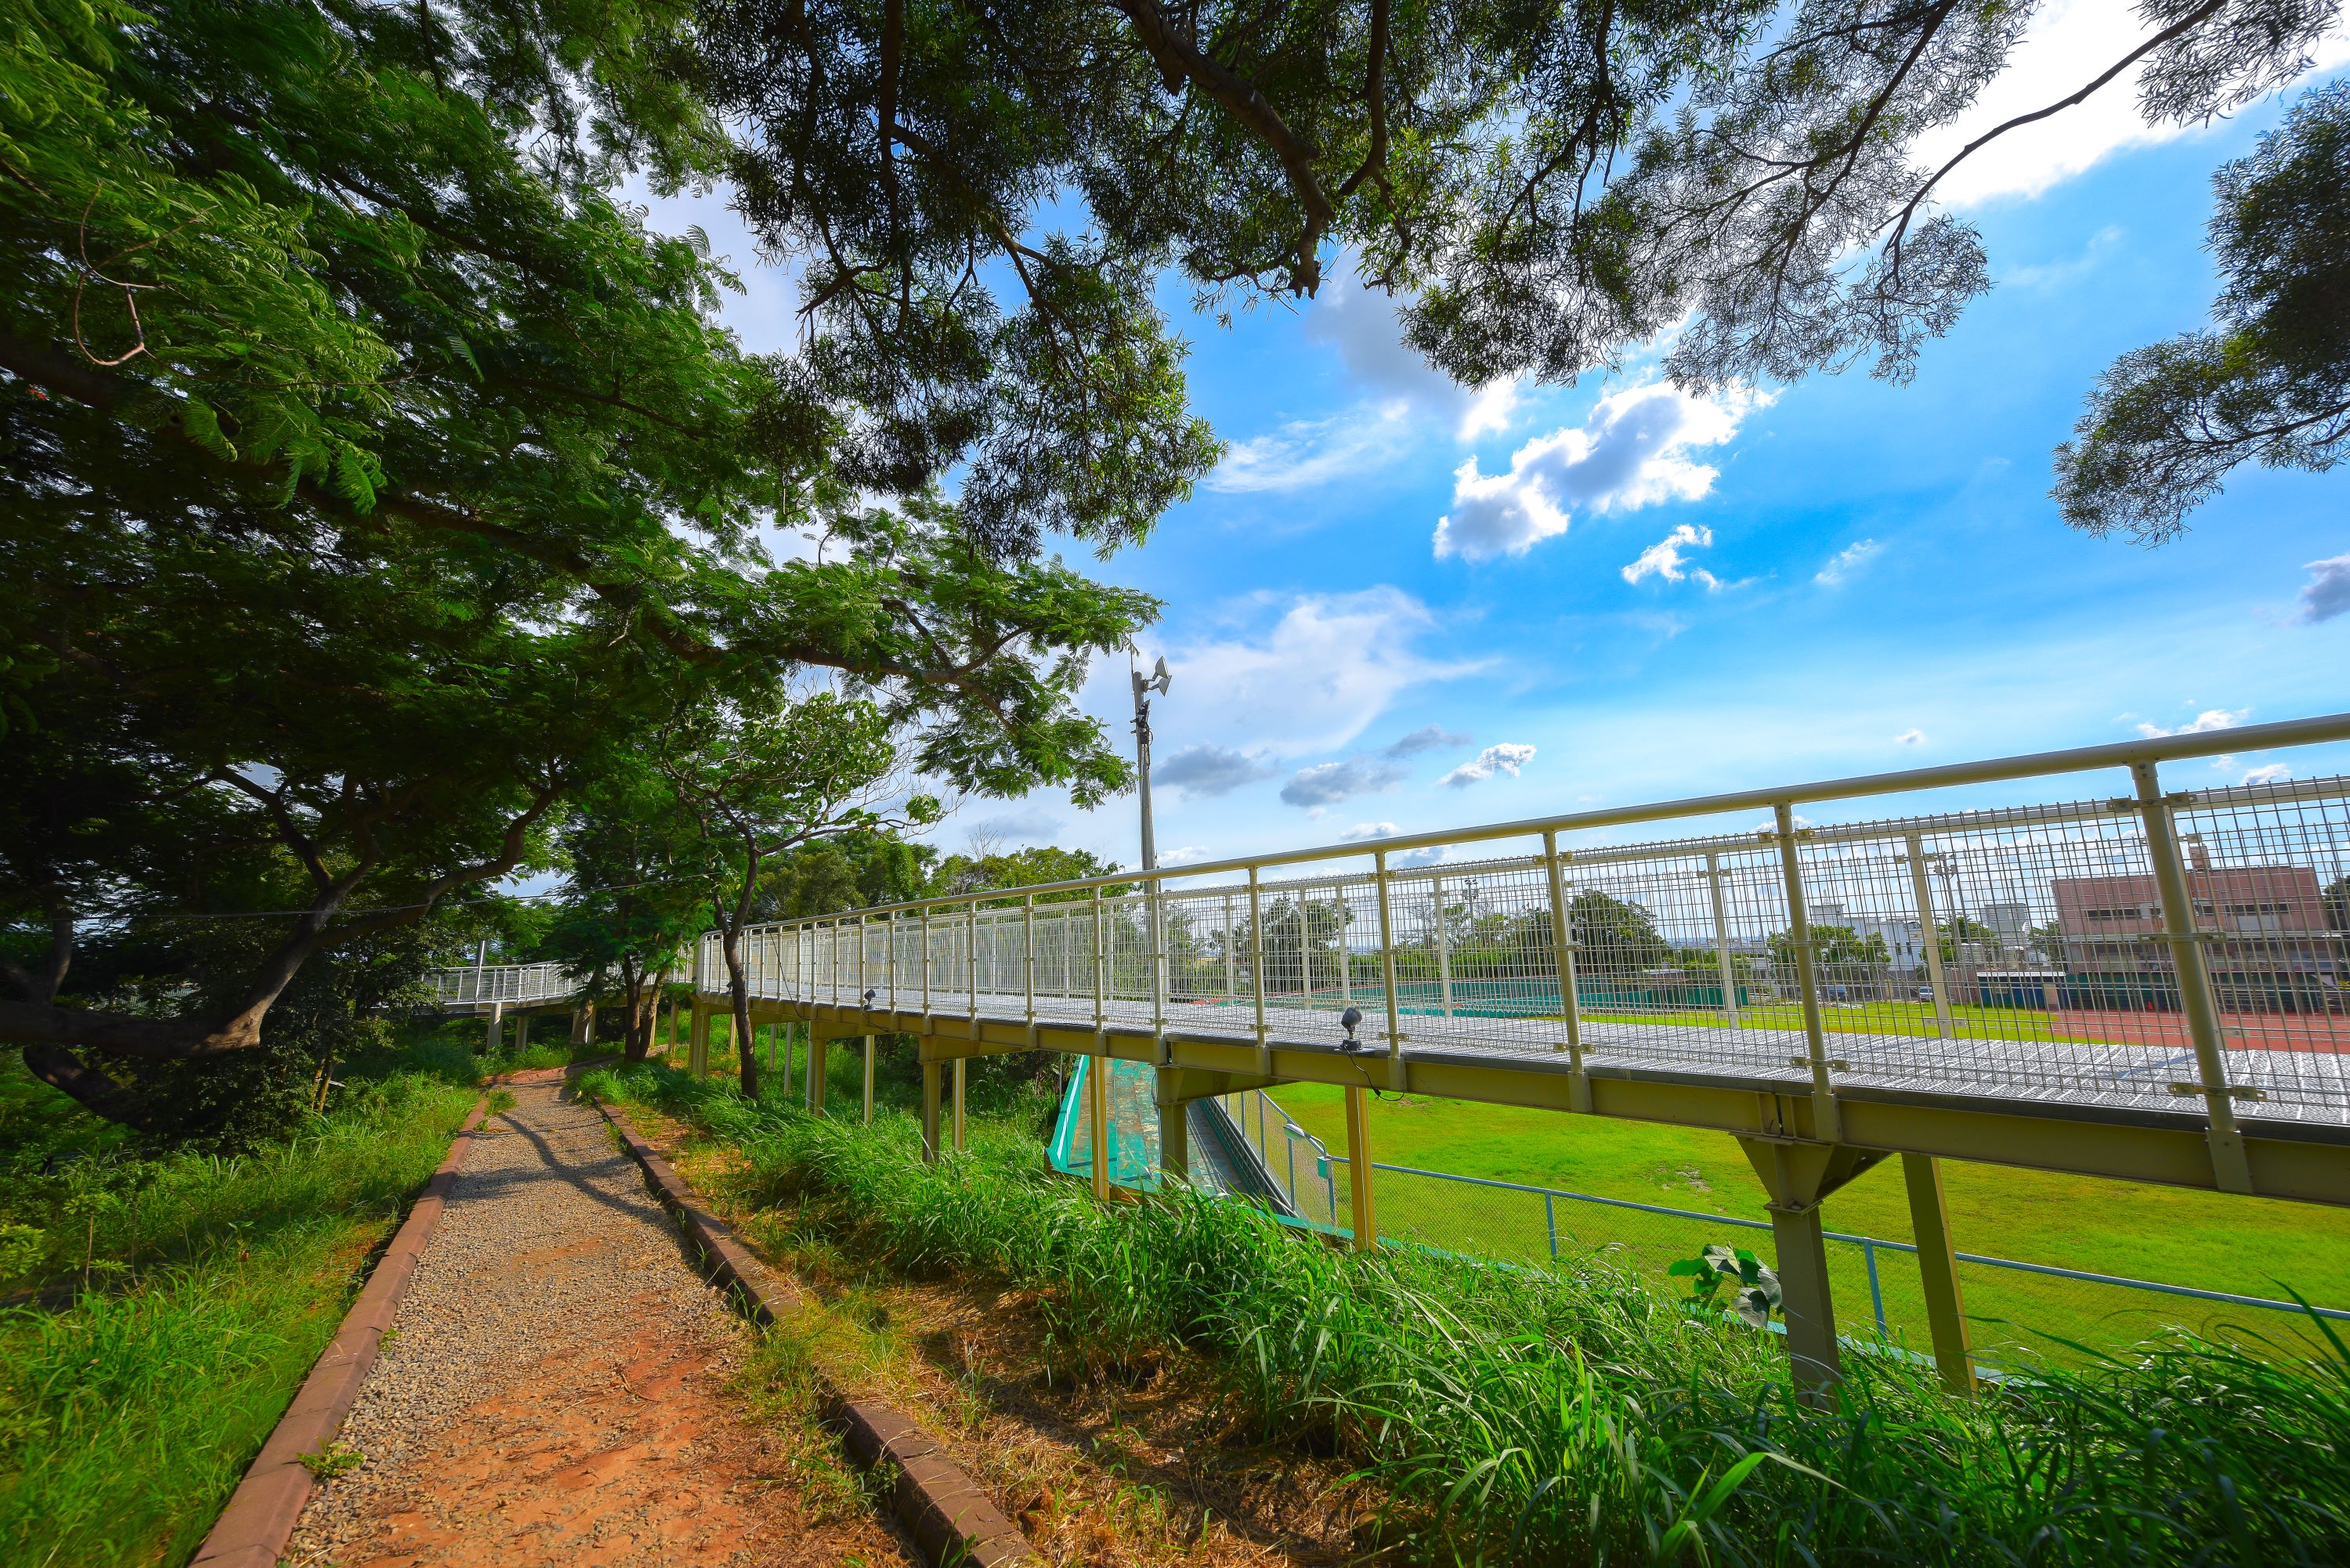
{"type": "Point", "coordinates": [2016, 1309]}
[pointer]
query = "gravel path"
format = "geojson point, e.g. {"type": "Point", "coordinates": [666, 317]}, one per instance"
{"type": "Point", "coordinates": [554, 1390]}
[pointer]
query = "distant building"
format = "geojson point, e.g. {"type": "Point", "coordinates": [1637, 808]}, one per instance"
{"type": "Point", "coordinates": [2273, 953]}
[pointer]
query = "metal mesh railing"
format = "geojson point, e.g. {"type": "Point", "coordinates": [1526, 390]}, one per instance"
{"type": "Point", "coordinates": [485, 984]}
{"type": "Point", "coordinates": [2030, 953]}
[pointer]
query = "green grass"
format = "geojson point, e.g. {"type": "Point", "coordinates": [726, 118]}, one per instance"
{"type": "Point", "coordinates": [2247, 1246]}
{"type": "Point", "coordinates": [1542, 1415]}
{"type": "Point", "coordinates": [129, 1409]}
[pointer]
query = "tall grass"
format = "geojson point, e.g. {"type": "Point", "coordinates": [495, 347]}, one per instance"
{"type": "Point", "coordinates": [1531, 1416]}
{"type": "Point", "coordinates": [197, 1291]}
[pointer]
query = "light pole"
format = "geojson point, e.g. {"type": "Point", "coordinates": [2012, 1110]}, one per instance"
{"type": "Point", "coordinates": [1144, 685]}
{"type": "Point", "coordinates": [1157, 681]}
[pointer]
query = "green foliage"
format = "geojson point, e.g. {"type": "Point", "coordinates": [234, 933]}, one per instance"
{"type": "Point", "coordinates": [1841, 946]}
{"type": "Point", "coordinates": [2271, 383]}
{"type": "Point", "coordinates": [1038, 863]}
{"type": "Point", "coordinates": [1752, 1284]}
{"type": "Point", "coordinates": [1523, 1415]}
{"type": "Point", "coordinates": [129, 1412]}
{"type": "Point", "coordinates": [376, 481]}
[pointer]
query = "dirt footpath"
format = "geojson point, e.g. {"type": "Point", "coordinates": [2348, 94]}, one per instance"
{"type": "Point", "coordinates": [553, 1387]}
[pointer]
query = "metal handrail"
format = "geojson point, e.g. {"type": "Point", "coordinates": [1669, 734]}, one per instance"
{"type": "Point", "coordinates": [2038, 764]}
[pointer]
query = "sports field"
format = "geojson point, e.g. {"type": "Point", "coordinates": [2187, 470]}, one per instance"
{"type": "Point", "coordinates": [2246, 1246]}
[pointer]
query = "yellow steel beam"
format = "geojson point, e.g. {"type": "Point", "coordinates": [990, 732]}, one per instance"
{"type": "Point", "coordinates": [2076, 1141]}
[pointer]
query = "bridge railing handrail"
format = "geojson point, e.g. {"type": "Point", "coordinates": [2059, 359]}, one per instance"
{"type": "Point", "coordinates": [2038, 764]}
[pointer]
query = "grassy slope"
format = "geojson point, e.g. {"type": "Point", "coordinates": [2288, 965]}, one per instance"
{"type": "Point", "coordinates": [2205, 1240]}
{"type": "Point", "coordinates": [1542, 1417]}
{"type": "Point", "coordinates": [127, 1416]}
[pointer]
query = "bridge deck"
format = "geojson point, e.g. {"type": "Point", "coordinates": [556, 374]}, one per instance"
{"type": "Point", "coordinates": [2305, 1089]}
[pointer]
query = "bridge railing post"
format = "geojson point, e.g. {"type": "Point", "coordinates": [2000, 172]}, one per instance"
{"type": "Point", "coordinates": [1443, 945]}
{"type": "Point", "coordinates": [1728, 970]}
{"type": "Point", "coordinates": [1562, 942]}
{"type": "Point", "coordinates": [1921, 893]}
{"type": "Point", "coordinates": [2231, 1171]}
{"type": "Point", "coordinates": [1829, 1125]}
{"type": "Point", "coordinates": [1397, 1079]}
{"type": "Point", "coordinates": [1256, 969]}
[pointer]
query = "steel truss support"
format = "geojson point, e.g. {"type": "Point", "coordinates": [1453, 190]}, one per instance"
{"type": "Point", "coordinates": [1797, 1176]}
{"type": "Point", "coordinates": [1358, 1170]}
{"type": "Point", "coordinates": [1173, 1091]}
{"type": "Point", "coordinates": [1937, 1266]}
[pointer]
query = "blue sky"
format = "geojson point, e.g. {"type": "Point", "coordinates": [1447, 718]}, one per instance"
{"type": "Point", "coordinates": [1635, 596]}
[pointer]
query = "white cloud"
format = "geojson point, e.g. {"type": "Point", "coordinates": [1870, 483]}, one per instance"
{"type": "Point", "coordinates": [2050, 275]}
{"type": "Point", "coordinates": [2066, 46]}
{"type": "Point", "coordinates": [2203, 723]}
{"type": "Point", "coordinates": [1663, 558]}
{"type": "Point", "coordinates": [1326, 784]}
{"type": "Point", "coordinates": [2273, 773]}
{"type": "Point", "coordinates": [1361, 324]}
{"type": "Point", "coordinates": [1429, 738]}
{"type": "Point", "coordinates": [1189, 854]}
{"type": "Point", "coordinates": [1329, 666]}
{"type": "Point", "coordinates": [1506, 758]}
{"type": "Point", "coordinates": [1201, 771]}
{"type": "Point", "coordinates": [2328, 592]}
{"type": "Point", "coordinates": [1631, 452]}
{"type": "Point", "coordinates": [1846, 562]}
{"type": "Point", "coordinates": [1303, 453]}
{"type": "Point", "coordinates": [1402, 401]}
{"type": "Point", "coordinates": [1364, 830]}
{"type": "Point", "coordinates": [1910, 738]}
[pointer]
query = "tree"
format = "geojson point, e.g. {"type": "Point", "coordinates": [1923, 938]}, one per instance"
{"type": "Point", "coordinates": [1544, 187]}
{"type": "Point", "coordinates": [634, 895]}
{"type": "Point", "coordinates": [985, 869]}
{"type": "Point", "coordinates": [373, 478]}
{"type": "Point", "coordinates": [1614, 938]}
{"type": "Point", "coordinates": [1836, 947]}
{"type": "Point", "coordinates": [1959, 933]}
{"type": "Point", "coordinates": [2271, 384]}
{"type": "Point", "coordinates": [759, 781]}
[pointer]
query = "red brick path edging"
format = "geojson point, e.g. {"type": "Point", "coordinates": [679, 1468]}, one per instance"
{"type": "Point", "coordinates": [949, 1517]}
{"type": "Point", "coordinates": [254, 1528]}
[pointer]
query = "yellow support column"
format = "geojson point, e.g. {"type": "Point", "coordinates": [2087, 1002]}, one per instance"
{"type": "Point", "coordinates": [1937, 1266]}
{"type": "Point", "coordinates": [1174, 1128]}
{"type": "Point", "coordinates": [931, 1113]}
{"type": "Point", "coordinates": [697, 1049]}
{"type": "Point", "coordinates": [961, 1077]}
{"type": "Point", "coordinates": [1358, 1169]}
{"type": "Point", "coordinates": [868, 1080]}
{"type": "Point", "coordinates": [817, 1043]}
{"type": "Point", "coordinates": [1097, 1122]}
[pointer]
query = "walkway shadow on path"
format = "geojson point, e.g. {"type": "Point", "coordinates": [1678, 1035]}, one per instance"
{"type": "Point", "coordinates": [570, 1171]}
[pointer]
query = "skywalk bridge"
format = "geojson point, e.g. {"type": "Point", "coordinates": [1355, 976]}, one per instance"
{"type": "Point", "coordinates": [495, 992]}
{"type": "Point", "coordinates": [2134, 983]}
